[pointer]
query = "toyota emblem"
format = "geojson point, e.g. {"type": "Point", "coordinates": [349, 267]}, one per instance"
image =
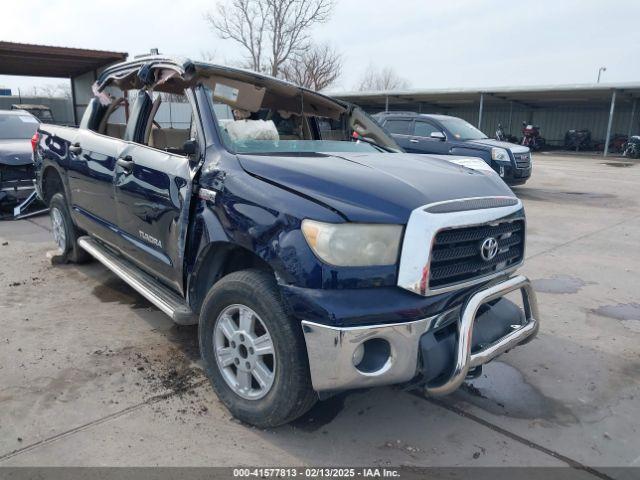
{"type": "Point", "coordinates": [489, 249]}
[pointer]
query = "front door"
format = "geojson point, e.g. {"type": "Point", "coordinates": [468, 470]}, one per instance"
{"type": "Point", "coordinates": [153, 189]}
{"type": "Point", "coordinates": [421, 141]}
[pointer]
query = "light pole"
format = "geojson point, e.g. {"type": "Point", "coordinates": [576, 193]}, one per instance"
{"type": "Point", "coordinates": [600, 70]}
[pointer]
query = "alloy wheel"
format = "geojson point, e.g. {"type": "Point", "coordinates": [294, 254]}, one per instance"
{"type": "Point", "coordinates": [244, 352]}
{"type": "Point", "coordinates": [59, 232]}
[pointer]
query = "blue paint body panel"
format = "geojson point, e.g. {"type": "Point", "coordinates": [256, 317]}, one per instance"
{"type": "Point", "coordinates": [153, 216]}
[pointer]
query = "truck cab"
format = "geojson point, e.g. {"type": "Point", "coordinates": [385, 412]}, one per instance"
{"type": "Point", "coordinates": [313, 257]}
{"type": "Point", "coordinates": [447, 135]}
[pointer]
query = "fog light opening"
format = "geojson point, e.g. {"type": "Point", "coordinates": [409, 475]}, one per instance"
{"type": "Point", "coordinates": [373, 356]}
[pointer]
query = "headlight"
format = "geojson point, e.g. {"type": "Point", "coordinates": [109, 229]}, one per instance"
{"type": "Point", "coordinates": [500, 154]}
{"type": "Point", "coordinates": [353, 244]}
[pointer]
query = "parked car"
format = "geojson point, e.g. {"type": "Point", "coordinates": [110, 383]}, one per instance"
{"type": "Point", "coordinates": [17, 128]}
{"type": "Point", "coordinates": [42, 112]}
{"type": "Point", "coordinates": [446, 135]}
{"type": "Point", "coordinates": [312, 261]}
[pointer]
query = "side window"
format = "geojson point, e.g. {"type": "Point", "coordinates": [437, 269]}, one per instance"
{"type": "Point", "coordinates": [171, 122]}
{"type": "Point", "coordinates": [114, 117]}
{"type": "Point", "coordinates": [399, 127]}
{"type": "Point", "coordinates": [424, 129]}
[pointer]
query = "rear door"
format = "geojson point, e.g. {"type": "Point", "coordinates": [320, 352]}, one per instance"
{"type": "Point", "coordinates": [401, 130]}
{"type": "Point", "coordinates": [91, 172]}
{"type": "Point", "coordinates": [153, 189]}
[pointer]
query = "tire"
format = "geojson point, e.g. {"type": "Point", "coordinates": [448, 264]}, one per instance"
{"type": "Point", "coordinates": [290, 394]}
{"type": "Point", "coordinates": [65, 232]}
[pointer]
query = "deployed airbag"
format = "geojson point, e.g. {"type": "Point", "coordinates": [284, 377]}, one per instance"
{"type": "Point", "coordinates": [240, 130]}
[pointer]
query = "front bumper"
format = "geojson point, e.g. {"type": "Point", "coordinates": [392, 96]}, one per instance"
{"type": "Point", "coordinates": [512, 175]}
{"type": "Point", "coordinates": [12, 193]}
{"type": "Point", "coordinates": [365, 356]}
{"type": "Point", "coordinates": [16, 183]}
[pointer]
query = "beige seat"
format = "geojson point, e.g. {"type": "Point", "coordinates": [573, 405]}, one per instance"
{"type": "Point", "coordinates": [163, 138]}
{"type": "Point", "coordinates": [115, 130]}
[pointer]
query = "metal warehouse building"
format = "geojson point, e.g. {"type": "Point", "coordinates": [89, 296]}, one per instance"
{"type": "Point", "coordinates": [606, 109]}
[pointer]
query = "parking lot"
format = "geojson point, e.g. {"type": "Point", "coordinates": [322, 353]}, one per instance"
{"type": "Point", "coordinates": [92, 374]}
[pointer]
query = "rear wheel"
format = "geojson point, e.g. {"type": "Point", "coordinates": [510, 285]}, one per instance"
{"type": "Point", "coordinates": [64, 231]}
{"type": "Point", "coordinates": [253, 353]}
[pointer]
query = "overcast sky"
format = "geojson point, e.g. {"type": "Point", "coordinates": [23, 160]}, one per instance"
{"type": "Point", "coordinates": [432, 44]}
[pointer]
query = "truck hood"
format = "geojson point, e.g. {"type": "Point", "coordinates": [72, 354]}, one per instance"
{"type": "Point", "coordinates": [15, 152]}
{"type": "Point", "coordinates": [373, 187]}
{"type": "Point", "coordinates": [490, 142]}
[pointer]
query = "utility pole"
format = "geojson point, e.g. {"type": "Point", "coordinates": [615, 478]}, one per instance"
{"type": "Point", "coordinates": [600, 70]}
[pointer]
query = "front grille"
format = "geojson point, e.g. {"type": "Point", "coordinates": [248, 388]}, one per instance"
{"type": "Point", "coordinates": [456, 255]}
{"type": "Point", "coordinates": [523, 160]}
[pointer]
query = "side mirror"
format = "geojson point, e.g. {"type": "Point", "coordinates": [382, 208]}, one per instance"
{"type": "Point", "coordinates": [437, 135]}
{"type": "Point", "coordinates": [190, 147]}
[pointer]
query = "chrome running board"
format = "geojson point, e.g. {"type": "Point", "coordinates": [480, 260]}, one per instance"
{"type": "Point", "coordinates": [465, 360]}
{"type": "Point", "coordinates": [162, 297]}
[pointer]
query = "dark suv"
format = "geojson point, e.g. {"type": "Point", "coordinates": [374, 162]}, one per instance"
{"type": "Point", "coordinates": [445, 135]}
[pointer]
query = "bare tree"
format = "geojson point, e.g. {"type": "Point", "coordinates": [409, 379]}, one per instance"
{"type": "Point", "coordinates": [60, 90]}
{"type": "Point", "coordinates": [243, 21]}
{"type": "Point", "coordinates": [316, 68]}
{"type": "Point", "coordinates": [383, 79]}
{"type": "Point", "coordinates": [271, 31]}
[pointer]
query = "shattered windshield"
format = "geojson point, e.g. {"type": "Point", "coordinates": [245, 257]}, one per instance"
{"type": "Point", "coordinates": [278, 131]}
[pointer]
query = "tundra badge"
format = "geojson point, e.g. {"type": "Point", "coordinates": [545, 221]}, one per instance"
{"type": "Point", "coordinates": [148, 238]}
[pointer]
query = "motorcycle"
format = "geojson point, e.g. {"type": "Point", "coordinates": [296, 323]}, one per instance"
{"type": "Point", "coordinates": [632, 147]}
{"type": "Point", "coordinates": [504, 137]}
{"type": "Point", "coordinates": [531, 136]}
{"type": "Point", "coordinates": [578, 140]}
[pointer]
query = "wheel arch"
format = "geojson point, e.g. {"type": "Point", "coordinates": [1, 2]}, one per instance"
{"type": "Point", "coordinates": [52, 183]}
{"type": "Point", "coordinates": [215, 261]}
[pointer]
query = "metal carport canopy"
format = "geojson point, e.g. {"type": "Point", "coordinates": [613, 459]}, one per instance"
{"type": "Point", "coordinates": [62, 62]}
{"type": "Point", "coordinates": [532, 96]}
{"type": "Point", "coordinates": [600, 94]}
{"type": "Point", "coordinates": [47, 61]}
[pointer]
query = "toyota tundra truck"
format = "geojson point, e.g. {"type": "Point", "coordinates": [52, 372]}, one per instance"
{"type": "Point", "coordinates": [313, 256]}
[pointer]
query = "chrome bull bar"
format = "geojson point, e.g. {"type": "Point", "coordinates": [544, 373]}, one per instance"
{"type": "Point", "coordinates": [465, 360]}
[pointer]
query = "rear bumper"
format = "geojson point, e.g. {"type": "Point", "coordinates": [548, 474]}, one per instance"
{"type": "Point", "coordinates": [343, 358]}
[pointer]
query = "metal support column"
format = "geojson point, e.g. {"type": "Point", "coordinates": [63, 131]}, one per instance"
{"type": "Point", "coordinates": [73, 102]}
{"type": "Point", "coordinates": [480, 111]}
{"type": "Point", "coordinates": [386, 104]}
{"type": "Point", "coordinates": [634, 105]}
{"type": "Point", "coordinates": [510, 115]}
{"type": "Point", "coordinates": [611, 111]}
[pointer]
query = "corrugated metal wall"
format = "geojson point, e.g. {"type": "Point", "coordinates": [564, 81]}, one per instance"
{"type": "Point", "coordinates": [553, 121]}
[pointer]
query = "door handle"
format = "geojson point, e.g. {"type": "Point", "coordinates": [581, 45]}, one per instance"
{"type": "Point", "coordinates": [76, 149]}
{"type": "Point", "coordinates": [413, 140]}
{"type": "Point", "coordinates": [126, 163]}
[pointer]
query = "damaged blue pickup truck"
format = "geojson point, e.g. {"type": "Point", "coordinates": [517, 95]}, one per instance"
{"type": "Point", "coordinates": [314, 256]}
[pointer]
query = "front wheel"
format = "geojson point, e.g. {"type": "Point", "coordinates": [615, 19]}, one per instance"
{"type": "Point", "coordinates": [253, 353]}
